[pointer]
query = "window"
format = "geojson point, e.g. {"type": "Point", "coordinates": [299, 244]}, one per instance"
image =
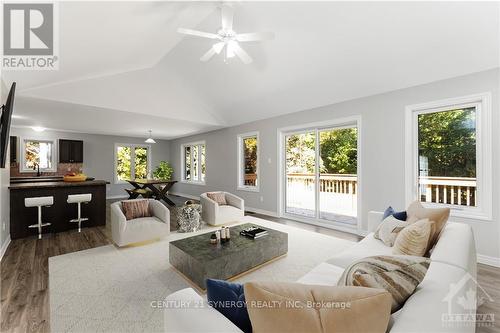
{"type": "Point", "coordinates": [131, 162]}
{"type": "Point", "coordinates": [193, 162]}
{"type": "Point", "coordinates": [37, 153]}
{"type": "Point", "coordinates": [450, 155]}
{"type": "Point", "coordinates": [248, 161]}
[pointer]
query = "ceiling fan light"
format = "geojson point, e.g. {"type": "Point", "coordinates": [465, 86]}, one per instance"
{"type": "Point", "coordinates": [230, 49]}
{"type": "Point", "coordinates": [218, 47]}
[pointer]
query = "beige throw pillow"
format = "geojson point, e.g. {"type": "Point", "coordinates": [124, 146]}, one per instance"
{"type": "Point", "coordinates": [414, 239]}
{"type": "Point", "coordinates": [399, 275]}
{"type": "Point", "coordinates": [388, 230]}
{"type": "Point", "coordinates": [437, 215]}
{"type": "Point", "coordinates": [218, 197]}
{"type": "Point", "coordinates": [294, 307]}
{"type": "Point", "coordinates": [134, 209]}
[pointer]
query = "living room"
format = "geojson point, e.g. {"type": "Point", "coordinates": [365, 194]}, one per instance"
{"type": "Point", "coordinates": [318, 153]}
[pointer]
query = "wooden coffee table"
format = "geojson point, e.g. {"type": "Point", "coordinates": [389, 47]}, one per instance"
{"type": "Point", "coordinates": [198, 260]}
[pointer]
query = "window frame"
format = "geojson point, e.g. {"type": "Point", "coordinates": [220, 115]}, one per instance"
{"type": "Point", "coordinates": [484, 194]}
{"type": "Point", "coordinates": [241, 163]}
{"type": "Point", "coordinates": [132, 157]}
{"type": "Point", "coordinates": [183, 162]}
{"type": "Point", "coordinates": [54, 161]}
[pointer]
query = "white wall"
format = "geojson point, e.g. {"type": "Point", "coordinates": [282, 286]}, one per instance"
{"type": "Point", "coordinates": [382, 150]}
{"type": "Point", "coordinates": [98, 153]}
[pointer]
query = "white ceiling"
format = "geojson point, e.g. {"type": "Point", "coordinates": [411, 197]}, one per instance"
{"type": "Point", "coordinates": [127, 70]}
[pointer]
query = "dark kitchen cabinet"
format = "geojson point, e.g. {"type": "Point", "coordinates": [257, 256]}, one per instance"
{"type": "Point", "coordinates": [13, 149]}
{"type": "Point", "coordinates": [70, 151]}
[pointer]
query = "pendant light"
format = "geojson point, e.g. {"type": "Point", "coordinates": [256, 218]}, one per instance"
{"type": "Point", "coordinates": [150, 139]}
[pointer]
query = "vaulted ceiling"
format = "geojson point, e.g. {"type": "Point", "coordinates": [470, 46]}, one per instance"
{"type": "Point", "coordinates": [124, 69]}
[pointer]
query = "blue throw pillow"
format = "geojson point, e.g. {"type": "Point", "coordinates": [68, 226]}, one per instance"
{"type": "Point", "coordinates": [229, 299]}
{"type": "Point", "coordinates": [402, 216]}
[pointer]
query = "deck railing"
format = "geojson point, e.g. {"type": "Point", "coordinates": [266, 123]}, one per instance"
{"type": "Point", "coordinates": [448, 190]}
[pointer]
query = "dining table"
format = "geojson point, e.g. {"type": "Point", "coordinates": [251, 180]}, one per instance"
{"type": "Point", "coordinates": [158, 188]}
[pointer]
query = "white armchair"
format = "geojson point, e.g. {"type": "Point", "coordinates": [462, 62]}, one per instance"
{"type": "Point", "coordinates": [142, 229]}
{"type": "Point", "coordinates": [215, 214]}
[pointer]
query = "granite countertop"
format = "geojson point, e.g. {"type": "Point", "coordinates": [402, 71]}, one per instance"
{"type": "Point", "coordinates": [55, 184]}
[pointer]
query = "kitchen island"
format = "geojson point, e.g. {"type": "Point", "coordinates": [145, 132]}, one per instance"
{"type": "Point", "coordinates": [60, 213]}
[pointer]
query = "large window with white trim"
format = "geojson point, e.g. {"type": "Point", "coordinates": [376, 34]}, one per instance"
{"type": "Point", "coordinates": [450, 155]}
{"type": "Point", "coordinates": [248, 161]}
{"type": "Point", "coordinates": [132, 162]}
{"type": "Point", "coordinates": [193, 162]}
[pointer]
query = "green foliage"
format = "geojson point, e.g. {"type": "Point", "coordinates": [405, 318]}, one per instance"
{"type": "Point", "coordinates": [141, 162]}
{"type": "Point", "coordinates": [447, 143]}
{"type": "Point", "coordinates": [123, 167]}
{"type": "Point", "coordinates": [163, 171]}
{"type": "Point", "coordinates": [250, 151]}
{"type": "Point", "coordinates": [300, 153]}
{"type": "Point", "coordinates": [339, 151]}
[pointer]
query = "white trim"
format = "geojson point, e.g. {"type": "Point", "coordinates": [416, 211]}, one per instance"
{"type": "Point", "coordinates": [132, 159]}
{"type": "Point", "coordinates": [189, 196]}
{"type": "Point", "coordinates": [240, 181]}
{"type": "Point", "coordinates": [54, 152]}
{"type": "Point", "coordinates": [488, 260]}
{"type": "Point", "coordinates": [5, 245]}
{"type": "Point", "coordinates": [355, 120]}
{"type": "Point", "coordinates": [183, 162]}
{"type": "Point", "coordinates": [482, 102]}
{"type": "Point", "coordinates": [261, 211]}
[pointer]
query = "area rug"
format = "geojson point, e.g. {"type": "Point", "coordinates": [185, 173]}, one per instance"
{"type": "Point", "coordinates": [107, 289]}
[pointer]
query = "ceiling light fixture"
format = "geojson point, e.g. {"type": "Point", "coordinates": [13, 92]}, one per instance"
{"type": "Point", "coordinates": [150, 139]}
{"type": "Point", "coordinates": [38, 129]}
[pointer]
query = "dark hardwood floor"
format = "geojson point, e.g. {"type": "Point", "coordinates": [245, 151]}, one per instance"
{"type": "Point", "coordinates": [24, 274]}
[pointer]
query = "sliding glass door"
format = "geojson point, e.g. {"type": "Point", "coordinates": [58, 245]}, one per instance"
{"type": "Point", "coordinates": [321, 174]}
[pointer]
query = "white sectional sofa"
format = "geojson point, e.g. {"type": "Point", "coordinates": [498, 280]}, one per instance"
{"type": "Point", "coordinates": [451, 274]}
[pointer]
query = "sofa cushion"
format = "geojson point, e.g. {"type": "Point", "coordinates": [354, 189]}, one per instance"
{"type": "Point", "coordinates": [399, 275]}
{"type": "Point", "coordinates": [324, 275]}
{"type": "Point", "coordinates": [218, 197]}
{"type": "Point", "coordinates": [437, 215]}
{"type": "Point", "coordinates": [388, 230]}
{"type": "Point", "coordinates": [414, 239]}
{"type": "Point", "coordinates": [294, 307]}
{"type": "Point", "coordinates": [368, 246]}
{"type": "Point", "coordinates": [229, 299]}
{"type": "Point", "coordinates": [133, 209]}
{"type": "Point", "coordinates": [399, 215]}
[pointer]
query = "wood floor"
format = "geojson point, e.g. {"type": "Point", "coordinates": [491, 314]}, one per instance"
{"type": "Point", "coordinates": [24, 275]}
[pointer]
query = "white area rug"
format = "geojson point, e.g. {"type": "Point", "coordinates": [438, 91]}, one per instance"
{"type": "Point", "coordinates": [107, 289]}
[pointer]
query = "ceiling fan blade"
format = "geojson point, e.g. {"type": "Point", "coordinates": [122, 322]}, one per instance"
{"type": "Point", "coordinates": [198, 33]}
{"type": "Point", "coordinates": [207, 56]}
{"type": "Point", "coordinates": [254, 36]}
{"type": "Point", "coordinates": [242, 54]}
{"type": "Point", "coordinates": [217, 47]}
{"type": "Point", "coordinates": [227, 17]}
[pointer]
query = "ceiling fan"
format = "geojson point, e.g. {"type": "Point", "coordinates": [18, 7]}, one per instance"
{"type": "Point", "coordinates": [227, 38]}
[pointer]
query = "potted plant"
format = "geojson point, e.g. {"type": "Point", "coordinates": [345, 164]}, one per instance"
{"type": "Point", "coordinates": [163, 171]}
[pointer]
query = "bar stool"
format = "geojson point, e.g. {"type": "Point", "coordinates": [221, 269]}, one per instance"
{"type": "Point", "coordinates": [79, 199]}
{"type": "Point", "coordinates": [39, 202]}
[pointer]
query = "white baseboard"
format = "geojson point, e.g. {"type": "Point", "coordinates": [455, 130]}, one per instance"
{"type": "Point", "coordinates": [5, 245]}
{"type": "Point", "coordinates": [111, 197]}
{"type": "Point", "coordinates": [487, 260]}
{"type": "Point", "coordinates": [189, 196]}
{"type": "Point", "coordinates": [261, 211]}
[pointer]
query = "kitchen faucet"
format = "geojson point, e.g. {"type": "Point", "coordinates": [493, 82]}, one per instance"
{"type": "Point", "coordinates": [37, 168]}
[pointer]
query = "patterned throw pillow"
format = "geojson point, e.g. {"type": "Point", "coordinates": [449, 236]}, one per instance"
{"type": "Point", "coordinates": [388, 230]}
{"type": "Point", "coordinates": [399, 275]}
{"type": "Point", "coordinates": [414, 239]}
{"type": "Point", "coordinates": [218, 197]}
{"type": "Point", "coordinates": [134, 209]}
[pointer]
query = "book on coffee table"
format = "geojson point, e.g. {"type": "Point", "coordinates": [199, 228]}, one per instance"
{"type": "Point", "coordinates": [253, 232]}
